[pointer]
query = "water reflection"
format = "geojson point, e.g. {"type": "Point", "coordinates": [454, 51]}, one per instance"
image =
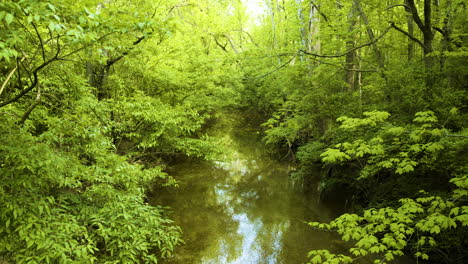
{"type": "Point", "coordinates": [242, 211]}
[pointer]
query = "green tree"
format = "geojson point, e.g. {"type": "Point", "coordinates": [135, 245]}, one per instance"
{"type": "Point", "coordinates": [86, 128]}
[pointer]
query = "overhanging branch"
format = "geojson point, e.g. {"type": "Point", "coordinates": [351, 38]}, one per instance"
{"type": "Point", "coordinates": [350, 50]}
{"type": "Point", "coordinates": [35, 78]}
{"type": "Point", "coordinates": [408, 35]}
{"type": "Point", "coordinates": [268, 73]}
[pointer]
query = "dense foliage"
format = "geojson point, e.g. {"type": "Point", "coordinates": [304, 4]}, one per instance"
{"type": "Point", "coordinates": [376, 93]}
{"type": "Point", "coordinates": [94, 101]}
{"type": "Point", "coordinates": [96, 97]}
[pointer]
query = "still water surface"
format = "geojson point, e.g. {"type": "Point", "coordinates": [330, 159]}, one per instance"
{"type": "Point", "coordinates": [242, 210]}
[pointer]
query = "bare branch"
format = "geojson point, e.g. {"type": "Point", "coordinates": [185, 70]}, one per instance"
{"type": "Point", "coordinates": [110, 62]}
{"type": "Point", "coordinates": [408, 35]}
{"type": "Point", "coordinates": [343, 68]}
{"type": "Point", "coordinates": [40, 41]}
{"type": "Point", "coordinates": [232, 44]}
{"type": "Point", "coordinates": [350, 50]}
{"type": "Point", "coordinates": [370, 34]}
{"type": "Point", "coordinates": [223, 47]}
{"type": "Point", "coordinates": [443, 32]}
{"type": "Point", "coordinates": [156, 9]}
{"type": "Point", "coordinates": [7, 79]}
{"type": "Point", "coordinates": [35, 78]}
{"type": "Point", "coordinates": [177, 6]}
{"type": "Point", "coordinates": [268, 73]}
{"type": "Point", "coordinates": [392, 6]}
{"type": "Point", "coordinates": [37, 101]}
{"type": "Point", "coordinates": [248, 34]}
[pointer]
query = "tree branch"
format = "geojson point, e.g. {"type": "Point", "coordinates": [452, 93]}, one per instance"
{"type": "Point", "coordinates": [110, 62]}
{"type": "Point", "coordinates": [350, 50]}
{"type": "Point", "coordinates": [392, 6]}
{"type": "Point", "coordinates": [7, 79]}
{"type": "Point", "coordinates": [85, 46]}
{"type": "Point", "coordinates": [370, 34]}
{"type": "Point", "coordinates": [408, 35]}
{"type": "Point", "coordinates": [219, 44]}
{"type": "Point", "coordinates": [177, 6]}
{"type": "Point", "coordinates": [35, 78]}
{"type": "Point", "coordinates": [441, 31]}
{"type": "Point", "coordinates": [414, 12]}
{"type": "Point", "coordinates": [318, 10]}
{"type": "Point", "coordinates": [37, 101]}
{"type": "Point", "coordinates": [232, 44]}
{"type": "Point", "coordinates": [248, 34]}
{"type": "Point", "coordinates": [343, 68]}
{"type": "Point", "coordinates": [268, 73]}
{"type": "Point", "coordinates": [40, 41]}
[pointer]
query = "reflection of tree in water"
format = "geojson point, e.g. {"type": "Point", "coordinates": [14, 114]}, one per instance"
{"type": "Point", "coordinates": [267, 196]}
{"type": "Point", "coordinates": [196, 210]}
{"type": "Point", "coordinates": [241, 211]}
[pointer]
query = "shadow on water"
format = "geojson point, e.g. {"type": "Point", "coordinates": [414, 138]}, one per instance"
{"type": "Point", "coordinates": [242, 210]}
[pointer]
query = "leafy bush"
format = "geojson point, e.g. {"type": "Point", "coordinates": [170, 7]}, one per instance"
{"type": "Point", "coordinates": [67, 198]}
{"type": "Point", "coordinates": [418, 224]}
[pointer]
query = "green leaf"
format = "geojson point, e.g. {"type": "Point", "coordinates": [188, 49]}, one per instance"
{"type": "Point", "coordinates": [435, 229]}
{"type": "Point", "coordinates": [454, 111]}
{"type": "Point", "coordinates": [425, 117]}
{"type": "Point", "coordinates": [316, 259]}
{"type": "Point", "coordinates": [9, 18]}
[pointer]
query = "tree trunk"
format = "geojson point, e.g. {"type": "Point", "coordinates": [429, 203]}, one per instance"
{"type": "Point", "coordinates": [313, 40]}
{"type": "Point", "coordinates": [302, 28]}
{"type": "Point", "coordinates": [351, 57]}
{"type": "Point", "coordinates": [427, 43]}
{"type": "Point", "coordinates": [97, 77]}
{"type": "Point", "coordinates": [410, 23]}
{"type": "Point", "coordinates": [378, 54]}
{"type": "Point", "coordinates": [426, 29]}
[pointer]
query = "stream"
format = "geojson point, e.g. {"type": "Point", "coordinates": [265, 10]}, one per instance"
{"type": "Point", "coordinates": [243, 210]}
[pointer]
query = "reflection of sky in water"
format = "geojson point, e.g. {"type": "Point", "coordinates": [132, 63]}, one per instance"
{"type": "Point", "coordinates": [241, 211]}
{"type": "Point", "coordinates": [248, 247]}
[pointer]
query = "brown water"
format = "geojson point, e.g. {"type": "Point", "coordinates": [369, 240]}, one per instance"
{"type": "Point", "coordinates": [242, 210]}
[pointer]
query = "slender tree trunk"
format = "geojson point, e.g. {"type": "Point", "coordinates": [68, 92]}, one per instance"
{"type": "Point", "coordinates": [351, 57]}
{"type": "Point", "coordinates": [410, 24]}
{"type": "Point", "coordinates": [313, 40]}
{"type": "Point", "coordinates": [378, 54]}
{"type": "Point", "coordinates": [428, 34]}
{"type": "Point", "coordinates": [302, 29]}
{"type": "Point", "coordinates": [273, 23]}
